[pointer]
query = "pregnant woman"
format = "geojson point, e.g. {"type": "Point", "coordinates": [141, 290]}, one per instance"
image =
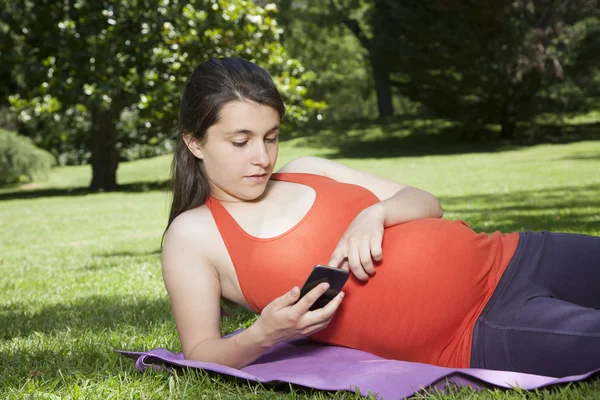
{"type": "Point", "coordinates": [422, 288]}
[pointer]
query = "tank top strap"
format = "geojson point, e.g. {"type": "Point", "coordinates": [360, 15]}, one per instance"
{"type": "Point", "coordinates": [225, 222]}
{"type": "Point", "coordinates": [311, 180]}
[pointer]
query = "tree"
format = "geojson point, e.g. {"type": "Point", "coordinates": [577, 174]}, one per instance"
{"type": "Point", "coordinates": [340, 64]}
{"type": "Point", "coordinates": [485, 62]}
{"type": "Point", "coordinates": [325, 22]}
{"type": "Point", "coordinates": [105, 57]}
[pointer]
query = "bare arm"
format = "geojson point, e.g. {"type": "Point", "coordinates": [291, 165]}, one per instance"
{"type": "Point", "coordinates": [407, 204]}
{"type": "Point", "coordinates": [399, 203]}
{"type": "Point", "coordinates": [193, 286]}
{"type": "Point", "coordinates": [194, 289]}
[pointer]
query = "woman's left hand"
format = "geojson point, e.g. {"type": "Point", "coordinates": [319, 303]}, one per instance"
{"type": "Point", "coordinates": [360, 245]}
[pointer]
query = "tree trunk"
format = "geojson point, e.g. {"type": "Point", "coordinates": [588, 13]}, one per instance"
{"type": "Point", "coordinates": [508, 121]}
{"type": "Point", "coordinates": [104, 152]}
{"type": "Point", "coordinates": [383, 88]}
{"type": "Point", "coordinates": [381, 74]}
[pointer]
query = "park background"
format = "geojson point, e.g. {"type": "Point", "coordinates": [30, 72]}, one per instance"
{"type": "Point", "coordinates": [492, 106]}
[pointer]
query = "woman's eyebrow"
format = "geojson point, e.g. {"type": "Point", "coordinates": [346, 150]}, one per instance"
{"type": "Point", "coordinates": [246, 131]}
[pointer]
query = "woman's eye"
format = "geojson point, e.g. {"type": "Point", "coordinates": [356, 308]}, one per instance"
{"type": "Point", "coordinates": [242, 144]}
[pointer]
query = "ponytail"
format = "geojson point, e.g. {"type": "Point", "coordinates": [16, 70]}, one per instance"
{"type": "Point", "coordinates": [189, 182]}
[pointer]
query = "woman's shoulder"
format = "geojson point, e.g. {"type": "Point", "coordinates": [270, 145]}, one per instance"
{"type": "Point", "coordinates": [381, 187]}
{"type": "Point", "coordinates": [323, 167]}
{"type": "Point", "coordinates": [193, 239]}
{"type": "Point", "coordinates": [195, 226]}
{"type": "Point", "coordinates": [305, 164]}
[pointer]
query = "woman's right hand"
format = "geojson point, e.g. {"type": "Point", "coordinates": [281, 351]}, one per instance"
{"type": "Point", "coordinates": [287, 318]}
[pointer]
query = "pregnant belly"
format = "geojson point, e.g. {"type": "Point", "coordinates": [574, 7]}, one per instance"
{"type": "Point", "coordinates": [433, 278]}
{"type": "Point", "coordinates": [440, 262]}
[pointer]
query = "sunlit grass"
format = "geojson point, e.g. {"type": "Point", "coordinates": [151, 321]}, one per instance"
{"type": "Point", "coordinates": [80, 273]}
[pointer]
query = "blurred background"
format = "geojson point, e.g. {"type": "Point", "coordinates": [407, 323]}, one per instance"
{"type": "Point", "coordinates": [98, 82]}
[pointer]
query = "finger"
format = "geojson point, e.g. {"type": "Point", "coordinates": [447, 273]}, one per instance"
{"type": "Point", "coordinates": [364, 252]}
{"type": "Point", "coordinates": [287, 299]}
{"type": "Point", "coordinates": [324, 314]}
{"type": "Point", "coordinates": [331, 307]}
{"type": "Point", "coordinates": [376, 251]}
{"type": "Point", "coordinates": [352, 254]}
{"type": "Point", "coordinates": [344, 265]}
{"type": "Point", "coordinates": [307, 301]}
{"type": "Point", "coordinates": [334, 262]}
{"type": "Point", "coordinates": [354, 262]}
{"type": "Point", "coordinates": [337, 256]}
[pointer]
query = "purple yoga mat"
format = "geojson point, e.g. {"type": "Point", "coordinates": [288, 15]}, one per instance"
{"type": "Point", "coordinates": [307, 363]}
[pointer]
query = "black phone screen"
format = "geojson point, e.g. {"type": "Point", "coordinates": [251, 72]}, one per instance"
{"type": "Point", "coordinates": [336, 278]}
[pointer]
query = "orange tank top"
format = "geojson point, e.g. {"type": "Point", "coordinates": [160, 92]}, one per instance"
{"type": "Point", "coordinates": [422, 304]}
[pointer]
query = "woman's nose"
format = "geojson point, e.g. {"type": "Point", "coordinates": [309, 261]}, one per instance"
{"type": "Point", "coordinates": [261, 157]}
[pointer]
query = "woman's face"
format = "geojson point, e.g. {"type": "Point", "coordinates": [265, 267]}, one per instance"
{"type": "Point", "coordinates": [240, 151]}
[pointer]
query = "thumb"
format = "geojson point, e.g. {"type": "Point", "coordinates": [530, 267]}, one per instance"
{"type": "Point", "coordinates": [285, 300]}
{"type": "Point", "coordinates": [290, 297]}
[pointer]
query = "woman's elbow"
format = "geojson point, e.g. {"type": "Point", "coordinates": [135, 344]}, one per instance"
{"type": "Point", "coordinates": [437, 210]}
{"type": "Point", "coordinates": [440, 211]}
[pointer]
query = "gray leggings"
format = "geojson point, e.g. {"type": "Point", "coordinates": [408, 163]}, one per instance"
{"type": "Point", "coordinates": [544, 316]}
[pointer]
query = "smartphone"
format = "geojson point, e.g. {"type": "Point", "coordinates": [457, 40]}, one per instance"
{"type": "Point", "coordinates": [336, 277]}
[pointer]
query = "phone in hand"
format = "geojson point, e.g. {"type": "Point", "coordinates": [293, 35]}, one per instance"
{"type": "Point", "coordinates": [336, 277]}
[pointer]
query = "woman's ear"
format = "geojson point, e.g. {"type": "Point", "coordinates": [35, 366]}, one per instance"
{"type": "Point", "coordinates": [193, 145]}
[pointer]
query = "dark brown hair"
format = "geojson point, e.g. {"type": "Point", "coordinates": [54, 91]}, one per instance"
{"type": "Point", "coordinates": [213, 84]}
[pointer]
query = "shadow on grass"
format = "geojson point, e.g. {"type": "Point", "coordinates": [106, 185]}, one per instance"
{"type": "Point", "coordinates": [109, 260]}
{"type": "Point", "coordinates": [95, 313]}
{"type": "Point", "coordinates": [418, 136]}
{"type": "Point", "coordinates": [583, 157]}
{"type": "Point", "coordinates": [128, 253]}
{"type": "Point", "coordinates": [564, 208]}
{"type": "Point", "coordinates": [135, 187]}
{"type": "Point", "coordinates": [45, 365]}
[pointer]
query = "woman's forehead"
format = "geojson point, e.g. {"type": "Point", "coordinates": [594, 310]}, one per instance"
{"type": "Point", "coordinates": [246, 117]}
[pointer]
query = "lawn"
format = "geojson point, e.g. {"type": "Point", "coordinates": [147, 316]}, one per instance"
{"type": "Point", "coordinates": [80, 272]}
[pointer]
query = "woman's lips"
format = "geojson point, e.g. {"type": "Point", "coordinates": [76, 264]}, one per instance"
{"type": "Point", "coordinates": [258, 178]}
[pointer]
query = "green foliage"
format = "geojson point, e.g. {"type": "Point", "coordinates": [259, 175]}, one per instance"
{"type": "Point", "coordinates": [493, 63]}
{"type": "Point", "coordinates": [8, 120]}
{"type": "Point", "coordinates": [340, 62]}
{"type": "Point", "coordinates": [21, 160]}
{"type": "Point", "coordinates": [99, 59]}
{"type": "Point", "coordinates": [467, 61]}
{"type": "Point", "coordinates": [64, 131]}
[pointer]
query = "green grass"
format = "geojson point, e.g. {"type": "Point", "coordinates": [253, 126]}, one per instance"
{"type": "Point", "coordinates": [80, 272]}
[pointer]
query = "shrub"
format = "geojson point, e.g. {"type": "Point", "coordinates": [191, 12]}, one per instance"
{"type": "Point", "coordinates": [21, 160]}
{"type": "Point", "coordinates": [139, 151]}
